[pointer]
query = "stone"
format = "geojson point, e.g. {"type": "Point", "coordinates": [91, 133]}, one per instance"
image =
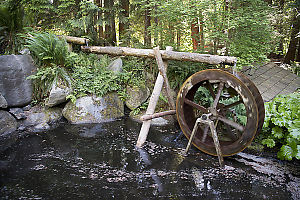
{"type": "Point", "coordinates": [3, 102]}
{"type": "Point", "coordinates": [18, 113]}
{"type": "Point", "coordinates": [116, 65]}
{"type": "Point", "coordinates": [14, 85]}
{"type": "Point", "coordinates": [39, 117]}
{"type": "Point", "coordinates": [136, 96]}
{"type": "Point", "coordinates": [8, 123]}
{"type": "Point", "coordinates": [92, 109]}
{"type": "Point", "coordinates": [27, 108]}
{"type": "Point", "coordinates": [58, 94]}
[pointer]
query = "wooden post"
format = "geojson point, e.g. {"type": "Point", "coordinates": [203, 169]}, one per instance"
{"type": "Point", "coordinates": [150, 110]}
{"type": "Point", "coordinates": [153, 101]}
{"type": "Point", "coordinates": [162, 66]}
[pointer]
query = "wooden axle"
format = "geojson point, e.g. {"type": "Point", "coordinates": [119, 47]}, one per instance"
{"type": "Point", "coordinates": [166, 55]}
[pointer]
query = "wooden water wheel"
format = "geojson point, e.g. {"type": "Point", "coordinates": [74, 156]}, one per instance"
{"type": "Point", "coordinates": [233, 103]}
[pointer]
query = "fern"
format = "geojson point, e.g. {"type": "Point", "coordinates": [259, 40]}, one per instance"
{"type": "Point", "coordinates": [48, 49]}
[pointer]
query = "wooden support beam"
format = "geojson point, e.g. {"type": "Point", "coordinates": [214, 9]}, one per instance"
{"type": "Point", "coordinates": [162, 66]}
{"type": "Point", "coordinates": [151, 107]}
{"type": "Point", "coordinates": [166, 55]}
{"type": "Point", "coordinates": [156, 115]}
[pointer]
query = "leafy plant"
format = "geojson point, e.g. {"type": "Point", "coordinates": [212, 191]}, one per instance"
{"type": "Point", "coordinates": [52, 55]}
{"type": "Point", "coordinates": [11, 23]}
{"type": "Point", "coordinates": [178, 72]}
{"type": "Point", "coordinates": [282, 125]}
{"type": "Point", "coordinates": [45, 77]}
{"type": "Point", "coordinates": [48, 49]}
{"type": "Point", "coordinates": [91, 76]}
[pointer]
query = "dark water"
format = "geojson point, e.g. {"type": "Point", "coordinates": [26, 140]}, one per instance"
{"type": "Point", "coordinates": [101, 162]}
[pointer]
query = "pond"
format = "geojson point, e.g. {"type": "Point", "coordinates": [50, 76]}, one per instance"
{"type": "Point", "coordinates": [100, 161]}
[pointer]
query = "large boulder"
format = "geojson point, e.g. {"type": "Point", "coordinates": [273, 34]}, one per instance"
{"type": "Point", "coordinates": [58, 93]}
{"type": "Point", "coordinates": [136, 96]}
{"type": "Point", "coordinates": [14, 85]}
{"type": "Point", "coordinates": [41, 118]}
{"type": "Point", "coordinates": [116, 65]}
{"type": "Point", "coordinates": [92, 109]}
{"type": "Point", "coordinates": [8, 123]}
{"type": "Point", "coordinates": [3, 102]}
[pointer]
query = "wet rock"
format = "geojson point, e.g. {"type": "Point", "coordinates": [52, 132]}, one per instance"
{"type": "Point", "coordinates": [17, 113]}
{"type": "Point", "coordinates": [116, 65]}
{"type": "Point", "coordinates": [58, 94]}
{"type": "Point", "coordinates": [3, 102]}
{"type": "Point", "coordinates": [92, 109]}
{"type": "Point", "coordinates": [8, 123]}
{"type": "Point", "coordinates": [41, 118]}
{"type": "Point", "coordinates": [27, 108]}
{"type": "Point", "coordinates": [159, 122]}
{"type": "Point", "coordinates": [136, 96]}
{"type": "Point", "coordinates": [14, 85]}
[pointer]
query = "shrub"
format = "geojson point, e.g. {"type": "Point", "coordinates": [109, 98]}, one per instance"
{"type": "Point", "coordinates": [282, 125]}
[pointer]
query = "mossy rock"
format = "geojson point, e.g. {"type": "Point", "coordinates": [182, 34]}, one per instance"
{"type": "Point", "coordinates": [92, 109]}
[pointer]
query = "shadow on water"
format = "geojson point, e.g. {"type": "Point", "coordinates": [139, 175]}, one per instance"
{"type": "Point", "coordinates": [100, 161]}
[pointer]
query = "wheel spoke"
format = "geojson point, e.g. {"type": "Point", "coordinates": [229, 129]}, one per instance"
{"type": "Point", "coordinates": [210, 88]}
{"type": "Point", "coordinates": [231, 123]}
{"type": "Point", "coordinates": [221, 86]}
{"type": "Point", "coordinates": [233, 104]}
{"type": "Point", "coordinates": [195, 105]}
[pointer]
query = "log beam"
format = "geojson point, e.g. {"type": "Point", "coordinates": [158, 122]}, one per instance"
{"type": "Point", "coordinates": [166, 55]}
{"type": "Point", "coordinates": [75, 40]}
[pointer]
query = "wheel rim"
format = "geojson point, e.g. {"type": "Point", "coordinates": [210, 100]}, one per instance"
{"type": "Point", "coordinates": [224, 96]}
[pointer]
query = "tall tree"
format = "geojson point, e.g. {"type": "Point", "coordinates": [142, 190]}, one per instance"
{"type": "Point", "coordinates": [294, 40]}
{"type": "Point", "coordinates": [99, 3]}
{"type": "Point", "coordinates": [123, 20]}
{"type": "Point", "coordinates": [147, 24]}
{"type": "Point", "coordinates": [110, 25]}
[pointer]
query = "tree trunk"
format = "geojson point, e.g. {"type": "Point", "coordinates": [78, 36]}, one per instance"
{"type": "Point", "coordinates": [201, 32]}
{"type": "Point", "coordinates": [178, 39]}
{"type": "Point", "coordinates": [110, 27]}
{"type": "Point", "coordinates": [298, 52]}
{"type": "Point", "coordinates": [123, 21]}
{"type": "Point", "coordinates": [147, 19]}
{"type": "Point", "coordinates": [291, 54]}
{"type": "Point", "coordinates": [195, 34]}
{"type": "Point", "coordinates": [99, 3]}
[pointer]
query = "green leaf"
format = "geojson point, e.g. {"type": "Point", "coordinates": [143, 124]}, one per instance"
{"type": "Point", "coordinates": [285, 153]}
{"type": "Point", "coordinates": [294, 130]}
{"type": "Point", "coordinates": [269, 142]}
{"type": "Point", "coordinates": [298, 152]}
{"type": "Point", "coordinates": [277, 132]}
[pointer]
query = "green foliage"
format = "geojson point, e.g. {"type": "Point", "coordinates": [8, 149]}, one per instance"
{"type": "Point", "coordinates": [134, 70]}
{"type": "Point", "coordinates": [282, 125]}
{"type": "Point", "coordinates": [48, 49]}
{"type": "Point", "coordinates": [52, 55]}
{"type": "Point", "coordinates": [179, 71]}
{"type": "Point", "coordinates": [250, 31]}
{"type": "Point", "coordinates": [11, 23]}
{"type": "Point", "coordinates": [91, 76]}
{"type": "Point", "coordinates": [45, 77]}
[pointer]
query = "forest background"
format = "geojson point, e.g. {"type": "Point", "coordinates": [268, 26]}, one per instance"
{"type": "Point", "coordinates": [251, 30]}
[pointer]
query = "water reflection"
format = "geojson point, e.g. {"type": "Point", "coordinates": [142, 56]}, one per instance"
{"type": "Point", "coordinates": [100, 161]}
